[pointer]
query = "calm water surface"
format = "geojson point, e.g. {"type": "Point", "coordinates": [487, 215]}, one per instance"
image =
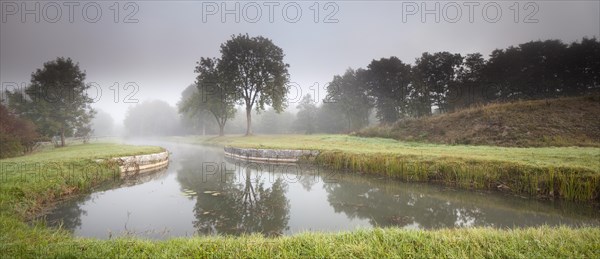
{"type": "Point", "coordinates": [203, 193]}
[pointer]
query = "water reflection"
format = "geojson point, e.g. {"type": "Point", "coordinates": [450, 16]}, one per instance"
{"type": "Point", "coordinates": [234, 200]}
{"type": "Point", "coordinates": [204, 193]}
{"type": "Point", "coordinates": [387, 203]}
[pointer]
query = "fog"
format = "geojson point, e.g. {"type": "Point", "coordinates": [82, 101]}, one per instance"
{"type": "Point", "coordinates": [151, 54]}
{"type": "Point", "coordinates": [225, 123]}
{"type": "Point", "coordinates": [147, 51]}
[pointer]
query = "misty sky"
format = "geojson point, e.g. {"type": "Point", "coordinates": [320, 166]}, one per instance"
{"type": "Point", "coordinates": [159, 51]}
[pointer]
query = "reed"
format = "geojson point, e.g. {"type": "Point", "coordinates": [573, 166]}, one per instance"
{"type": "Point", "coordinates": [576, 184]}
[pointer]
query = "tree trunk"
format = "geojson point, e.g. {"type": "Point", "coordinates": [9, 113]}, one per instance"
{"type": "Point", "coordinates": [203, 129]}
{"type": "Point", "coordinates": [222, 129]}
{"type": "Point", "coordinates": [248, 120]}
{"type": "Point", "coordinates": [62, 137]}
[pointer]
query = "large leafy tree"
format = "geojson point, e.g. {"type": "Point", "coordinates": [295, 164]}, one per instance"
{"type": "Point", "coordinates": [529, 71]}
{"type": "Point", "coordinates": [254, 67]}
{"type": "Point", "coordinates": [469, 88]}
{"type": "Point", "coordinates": [543, 69]}
{"type": "Point", "coordinates": [388, 81]}
{"type": "Point", "coordinates": [583, 67]}
{"type": "Point", "coordinates": [348, 93]}
{"type": "Point", "coordinates": [56, 100]}
{"type": "Point", "coordinates": [212, 95]}
{"type": "Point", "coordinates": [435, 74]}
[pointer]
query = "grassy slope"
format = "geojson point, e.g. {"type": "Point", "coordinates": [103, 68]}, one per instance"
{"type": "Point", "coordinates": [571, 173]}
{"type": "Point", "coordinates": [20, 194]}
{"type": "Point", "coordinates": [554, 122]}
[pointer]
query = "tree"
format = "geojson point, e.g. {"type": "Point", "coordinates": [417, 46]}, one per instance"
{"type": "Point", "coordinates": [192, 116]}
{"type": "Point", "coordinates": [545, 66]}
{"type": "Point", "coordinates": [348, 93]}
{"type": "Point", "coordinates": [532, 70]}
{"type": "Point", "coordinates": [329, 119]}
{"type": "Point", "coordinates": [583, 67]}
{"type": "Point", "coordinates": [56, 101]}
{"type": "Point", "coordinates": [213, 93]}
{"type": "Point", "coordinates": [306, 118]}
{"type": "Point", "coordinates": [254, 67]}
{"type": "Point", "coordinates": [435, 73]}
{"type": "Point", "coordinates": [388, 81]}
{"type": "Point", "coordinates": [469, 87]}
{"type": "Point", "coordinates": [84, 132]}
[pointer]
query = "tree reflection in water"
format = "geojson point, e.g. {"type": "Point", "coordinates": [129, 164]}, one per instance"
{"type": "Point", "coordinates": [386, 202]}
{"type": "Point", "coordinates": [67, 215]}
{"type": "Point", "coordinates": [235, 199]}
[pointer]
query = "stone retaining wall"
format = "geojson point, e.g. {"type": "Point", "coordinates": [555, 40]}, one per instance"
{"type": "Point", "coordinates": [138, 164]}
{"type": "Point", "coordinates": [270, 155]}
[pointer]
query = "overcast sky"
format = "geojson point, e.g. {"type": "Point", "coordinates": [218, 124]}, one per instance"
{"type": "Point", "coordinates": [158, 48]}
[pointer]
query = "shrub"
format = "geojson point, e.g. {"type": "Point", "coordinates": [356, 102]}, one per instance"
{"type": "Point", "coordinates": [17, 135]}
{"type": "Point", "coordinates": [10, 146]}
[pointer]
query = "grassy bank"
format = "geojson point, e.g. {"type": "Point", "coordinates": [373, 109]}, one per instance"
{"type": "Point", "coordinates": [25, 191]}
{"type": "Point", "coordinates": [28, 183]}
{"type": "Point", "coordinates": [569, 121]}
{"type": "Point", "coordinates": [540, 242]}
{"type": "Point", "coordinates": [571, 173]}
{"type": "Point", "coordinates": [33, 182]}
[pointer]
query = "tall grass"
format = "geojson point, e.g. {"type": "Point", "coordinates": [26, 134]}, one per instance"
{"type": "Point", "coordinates": [578, 184]}
{"type": "Point", "coordinates": [541, 242]}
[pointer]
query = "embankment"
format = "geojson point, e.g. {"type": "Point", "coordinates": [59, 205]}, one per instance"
{"type": "Point", "coordinates": [563, 122]}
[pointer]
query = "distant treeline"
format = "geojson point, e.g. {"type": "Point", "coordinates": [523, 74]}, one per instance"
{"type": "Point", "coordinates": [388, 89]}
{"type": "Point", "coordinates": [443, 81]}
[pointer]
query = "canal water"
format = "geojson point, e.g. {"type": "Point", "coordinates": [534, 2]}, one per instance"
{"type": "Point", "coordinates": [204, 193]}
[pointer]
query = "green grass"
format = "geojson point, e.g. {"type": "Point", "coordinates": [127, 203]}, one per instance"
{"type": "Point", "coordinates": [583, 157]}
{"type": "Point", "coordinates": [85, 151]}
{"type": "Point", "coordinates": [571, 173]}
{"type": "Point", "coordinates": [28, 183]}
{"type": "Point", "coordinates": [25, 191]}
{"type": "Point", "coordinates": [541, 242]}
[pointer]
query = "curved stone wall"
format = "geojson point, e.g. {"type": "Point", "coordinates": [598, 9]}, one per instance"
{"type": "Point", "coordinates": [270, 155]}
{"type": "Point", "coordinates": [138, 164]}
